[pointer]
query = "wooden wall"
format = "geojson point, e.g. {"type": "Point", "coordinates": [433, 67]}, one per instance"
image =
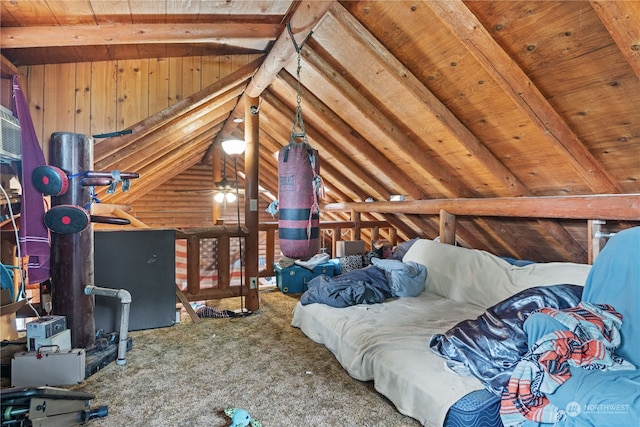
{"type": "Point", "coordinates": [100, 97]}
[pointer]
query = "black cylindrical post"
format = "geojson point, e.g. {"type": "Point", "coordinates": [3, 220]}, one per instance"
{"type": "Point", "coordinates": [72, 254]}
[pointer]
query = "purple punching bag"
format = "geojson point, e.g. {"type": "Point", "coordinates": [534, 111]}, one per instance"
{"type": "Point", "coordinates": [299, 187]}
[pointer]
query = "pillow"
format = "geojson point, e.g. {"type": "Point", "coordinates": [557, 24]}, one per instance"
{"type": "Point", "coordinates": [490, 346]}
{"type": "Point", "coordinates": [478, 277]}
{"type": "Point", "coordinates": [405, 279]}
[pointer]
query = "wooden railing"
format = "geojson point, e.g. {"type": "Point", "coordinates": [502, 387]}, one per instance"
{"type": "Point", "coordinates": [370, 231]}
{"type": "Point", "coordinates": [624, 207]}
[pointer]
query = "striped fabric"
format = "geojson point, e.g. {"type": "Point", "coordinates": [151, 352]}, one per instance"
{"type": "Point", "coordinates": [590, 340]}
{"type": "Point", "coordinates": [208, 258]}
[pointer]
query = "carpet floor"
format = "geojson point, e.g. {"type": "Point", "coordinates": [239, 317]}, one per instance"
{"type": "Point", "coordinates": [188, 374]}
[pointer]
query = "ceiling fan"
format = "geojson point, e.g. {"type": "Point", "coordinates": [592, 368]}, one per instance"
{"type": "Point", "coordinates": [225, 189]}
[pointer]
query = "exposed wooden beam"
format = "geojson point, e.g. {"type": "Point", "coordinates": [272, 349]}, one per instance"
{"type": "Point", "coordinates": [305, 18]}
{"type": "Point", "coordinates": [107, 147]}
{"type": "Point", "coordinates": [622, 20]}
{"type": "Point", "coordinates": [323, 121]}
{"type": "Point", "coordinates": [396, 73]}
{"type": "Point", "coordinates": [421, 96]}
{"type": "Point", "coordinates": [602, 206]}
{"type": "Point", "coordinates": [356, 108]}
{"type": "Point", "coordinates": [122, 34]}
{"type": "Point", "coordinates": [523, 92]}
{"type": "Point", "coordinates": [7, 69]}
{"type": "Point", "coordinates": [181, 128]}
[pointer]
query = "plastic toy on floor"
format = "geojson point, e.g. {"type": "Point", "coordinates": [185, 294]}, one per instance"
{"type": "Point", "coordinates": [241, 418]}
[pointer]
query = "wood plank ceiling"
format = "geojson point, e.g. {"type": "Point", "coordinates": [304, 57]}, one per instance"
{"type": "Point", "coordinates": [430, 100]}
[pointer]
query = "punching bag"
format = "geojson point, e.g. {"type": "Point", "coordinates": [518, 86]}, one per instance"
{"type": "Point", "coordinates": [299, 188]}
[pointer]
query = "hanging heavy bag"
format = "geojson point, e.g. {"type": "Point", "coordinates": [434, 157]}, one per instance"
{"type": "Point", "coordinates": [299, 213]}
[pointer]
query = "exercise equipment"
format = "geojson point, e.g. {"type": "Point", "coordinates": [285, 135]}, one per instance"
{"type": "Point", "coordinates": [53, 181]}
{"type": "Point", "coordinates": [68, 219]}
{"type": "Point", "coordinates": [299, 211]}
{"type": "Point", "coordinates": [47, 407]}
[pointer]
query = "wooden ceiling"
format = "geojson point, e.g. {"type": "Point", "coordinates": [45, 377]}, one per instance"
{"type": "Point", "coordinates": [426, 99]}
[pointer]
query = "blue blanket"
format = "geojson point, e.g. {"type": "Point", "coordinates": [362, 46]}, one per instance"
{"type": "Point", "coordinates": [367, 285]}
{"type": "Point", "coordinates": [596, 398]}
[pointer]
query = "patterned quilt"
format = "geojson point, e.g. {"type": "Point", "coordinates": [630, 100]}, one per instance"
{"type": "Point", "coordinates": [592, 334]}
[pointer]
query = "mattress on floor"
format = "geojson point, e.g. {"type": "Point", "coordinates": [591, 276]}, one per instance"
{"type": "Point", "coordinates": [389, 344]}
{"type": "Point", "coordinates": [480, 408]}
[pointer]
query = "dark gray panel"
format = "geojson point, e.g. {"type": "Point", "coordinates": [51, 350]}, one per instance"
{"type": "Point", "coordinates": [143, 263]}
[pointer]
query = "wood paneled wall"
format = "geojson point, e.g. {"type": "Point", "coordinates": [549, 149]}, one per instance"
{"type": "Point", "coordinates": [101, 97]}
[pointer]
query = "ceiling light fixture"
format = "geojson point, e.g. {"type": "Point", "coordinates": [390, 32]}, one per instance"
{"type": "Point", "coordinates": [234, 147]}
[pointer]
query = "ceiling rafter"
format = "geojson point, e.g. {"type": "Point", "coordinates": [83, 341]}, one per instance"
{"type": "Point", "coordinates": [158, 121]}
{"type": "Point", "coordinates": [368, 113]}
{"type": "Point", "coordinates": [416, 89]}
{"type": "Point", "coordinates": [355, 108]}
{"type": "Point", "coordinates": [153, 175]}
{"type": "Point", "coordinates": [622, 20]}
{"type": "Point", "coordinates": [324, 117]}
{"type": "Point", "coordinates": [323, 120]}
{"type": "Point", "coordinates": [461, 133]}
{"type": "Point", "coordinates": [523, 92]}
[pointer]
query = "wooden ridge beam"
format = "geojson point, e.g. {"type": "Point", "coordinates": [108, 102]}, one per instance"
{"type": "Point", "coordinates": [304, 20]}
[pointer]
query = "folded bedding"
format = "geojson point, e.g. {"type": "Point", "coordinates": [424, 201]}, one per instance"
{"type": "Point", "coordinates": [385, 278]}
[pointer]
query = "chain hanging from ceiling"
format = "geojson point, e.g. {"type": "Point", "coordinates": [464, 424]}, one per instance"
{"type": "Point", "coordinates": [298, 133]}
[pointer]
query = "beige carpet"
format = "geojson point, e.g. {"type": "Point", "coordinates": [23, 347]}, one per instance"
{"type": "Point", "coordinates": [187, 374]}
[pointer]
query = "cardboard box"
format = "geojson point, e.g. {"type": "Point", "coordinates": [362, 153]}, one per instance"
{"type": "Point", "coordinates": [8, 330]}
{"type": "Point", "coordinates": [349, 247]}
{"type": "Point", "coordinates": [294, 279]}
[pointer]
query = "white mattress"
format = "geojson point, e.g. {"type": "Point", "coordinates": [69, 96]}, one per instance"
{"type": "Point", "coordinates": [389, 344]}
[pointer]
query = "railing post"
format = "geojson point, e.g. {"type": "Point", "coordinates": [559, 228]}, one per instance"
{"type": "Point", "coordinates": [193, 264]}
{"type": "Point", "coordinates": [447, 227]}
{"type": "Point", "coordinates": [270, 251]}
{"type": "Point", "coordinates": [337, 236]}
{"type": "Point", "coordinates": [393, 234]}
{"type": "Point", "coordinates": [375, 235]}
{"type": "Point", "coordinates": [356, 230]}
{"type": "Point", "coordinates": [224, 262]}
